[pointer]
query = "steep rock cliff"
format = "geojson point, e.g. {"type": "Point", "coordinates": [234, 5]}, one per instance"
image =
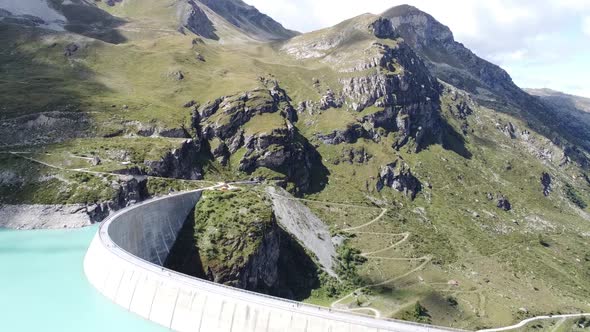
{"type": "Point", "coordinates": [181, 163]}
{"type": "Point", "coordinates": [193, 18]}
{"type": "Point", "coordinates": [233, 238]}
{"type": "Point", "coordinates": [254, 130]}
{"type": "Point", "coordinates": [398, 176]}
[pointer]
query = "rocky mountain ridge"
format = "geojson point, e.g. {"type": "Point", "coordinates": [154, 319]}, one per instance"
{"type": "Point", "coordinates": [249, 19]}
{"type": "Point", "coordinates": [430, 174]}
{"type": "Point", "coordinates": [453, 63]}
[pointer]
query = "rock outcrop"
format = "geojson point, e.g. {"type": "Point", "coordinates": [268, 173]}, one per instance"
{"type": "Point", "coordinates": [127, 192]}
{"type": "Point", "coordinates": [504, 203]}
{"type": "Point", "coordinates": [249, 20]}
{"type": "Point", "coordinates": [193, 18]}
{"type": "Point", "coordinates": [489, 84]}
{"type": "Point", "coordinates": [258, 124]}
{"type": "Point", "coordinates": [234, 239]}
{"type": "Point", "coordinates": [402, 87]}
{"type": "Point", "coordinates": [435, 43]}
{"type": "Point", "coordinates": [403, 80]}
{"type": "Point", "coordinates": [260, 271]}
{"type": "Point", "coordinates": [350, 134]}
{"type": "Point", "coordinates": [283, 150]}
{"type": "Point", "coordinates": [298, 220]}
{"type": "Point", "coordinates": [546, 183]}
{"type": "Point", "coordinates": [330, 100]}
{"type": "Point", "coordinates": [407, 92]}
{"type": "Point", "coordinates": [398, 176]}
{"type": "Point", "coordinates": [181, 163]}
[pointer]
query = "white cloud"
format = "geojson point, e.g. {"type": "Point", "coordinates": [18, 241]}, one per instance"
{"type": "Point", "coordinates": [586, 25]}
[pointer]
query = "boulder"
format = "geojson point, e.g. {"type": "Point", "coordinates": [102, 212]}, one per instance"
{"type": "Point", "coordinates": [189, 104]}
{"type": "Point", "coordinates": [70, 49]}
{"type": "Point", "coordinates": [330, 100]}
{"type": "Point", "coordinates": [398, 176]}
{"type": "Point", "coordinates": [95, 161]}
{"type": "Point", "coordinates": [181, 163]}
{"type": "Point", "coordinates": [546, 183]}
{"type": "Point", "coordinates": [504, 203]}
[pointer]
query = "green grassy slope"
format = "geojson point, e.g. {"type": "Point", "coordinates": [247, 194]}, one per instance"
{"type": "Point", "coordinates": [468, 263]}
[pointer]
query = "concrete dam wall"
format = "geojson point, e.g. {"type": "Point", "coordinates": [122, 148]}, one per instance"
{"type": "Point", "coordinates": [124, 262]}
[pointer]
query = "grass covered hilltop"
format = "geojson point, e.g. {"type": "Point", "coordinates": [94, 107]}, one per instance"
{"type": "Point", "coordinates": [441, 191]}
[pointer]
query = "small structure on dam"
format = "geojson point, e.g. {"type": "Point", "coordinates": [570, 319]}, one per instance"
{"type": "Point", "coordinates": [125, 262]}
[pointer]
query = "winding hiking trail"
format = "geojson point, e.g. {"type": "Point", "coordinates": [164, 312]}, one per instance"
{"type": "Point", "coordinates": [22, 155]}
{"type": "Point", "coordinates": [534, 319]}
{"type": "Point", "coordinates": [367, 224]}
{"type": "Point", "coordinates": [370, 255]}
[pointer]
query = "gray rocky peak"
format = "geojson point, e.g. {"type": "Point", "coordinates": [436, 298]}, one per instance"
{"type": "Point", "coordinates": [447, 59]}
{"type": "Point", "coordinates": [248, 19]}
{"type": "Point", "coordinates": [193, 18]}
{"type": "Point", "coordinates": [423, 29]}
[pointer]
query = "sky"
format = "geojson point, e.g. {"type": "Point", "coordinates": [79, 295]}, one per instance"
{"type": "Point", "coordinates": [541, 43]}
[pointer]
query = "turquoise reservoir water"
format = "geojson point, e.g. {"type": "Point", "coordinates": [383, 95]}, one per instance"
{"type": "Point", "coordinates": [43, 287]}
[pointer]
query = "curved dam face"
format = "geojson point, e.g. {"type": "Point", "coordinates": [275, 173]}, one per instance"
{"type": "Point", "coordinates": [125, 263]}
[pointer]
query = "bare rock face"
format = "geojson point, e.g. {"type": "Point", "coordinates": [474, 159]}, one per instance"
{"type": "Point", "coordinates": [398, 176]}
{"type": "Point", "coordinates": [273, 144]}
{"type": "Point", "coordinates": [243, 245]}
{"type": "Point", "coordinates": [238, 110]}
{"type": "Point", "coordinates": [330, 100]}
{"type": "Point", "coordinates": [504, 203]}
{"type": "Point", "coordinates": [395, 88]}
{"type": "Point", "coordinates": [249, 20]}
{"type": "Point", "coordinates": [420, 28]}
{"type": "Point", "coordinates": [546, 183]}
{"type": "Point", "coordinates": [221, 153]}
{"type": "Point", "coordinates": [193, 18]}
{"type": "Point", "coordinates": [299, 221]}
{"type": "Point", "coordinates": [260, 271]}
{"type": "Point", "coordinates": [181, 163]}
{"type": "Point", "coordinates": [435, 42]}
{"type": "Point", "coordinates": [382, 28]}
{"type": "Point", "coordinates": [70, 49]}
{"type": "Point", "coordinates": [409, 99]}
{"type": "Point", "coordinates": [283, 150]}
{"type": "Point", "coordinates": [350, 134]}
{"type": "Point", "coordinates": [127, 192]}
